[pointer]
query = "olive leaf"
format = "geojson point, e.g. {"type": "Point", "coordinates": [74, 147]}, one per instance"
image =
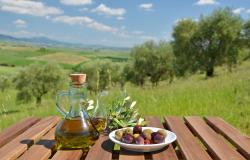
{"type": "Point", "coordinates": [123, 113]}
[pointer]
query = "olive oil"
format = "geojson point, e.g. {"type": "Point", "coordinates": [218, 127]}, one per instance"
{"type": "Point", "coordinates": [74, 134]}
{"type": "Point", "coordinates": [99, 123]}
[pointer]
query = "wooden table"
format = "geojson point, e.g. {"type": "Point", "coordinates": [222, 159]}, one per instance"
{"type": "Point", "coordinates": [210, 138]}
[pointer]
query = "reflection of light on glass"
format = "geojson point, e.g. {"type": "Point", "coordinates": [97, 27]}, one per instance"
{"type": "Point", "coordinates": [84, 123]}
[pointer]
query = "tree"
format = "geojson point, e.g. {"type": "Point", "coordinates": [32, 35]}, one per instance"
{"type": "Point", "coordinates": [182, 34]}
{"type": "Point", "coordinates": [129, 73]}
{"type": "Point", "coordinates": [215, 40]}
{"type": "Point", "coordinates": [151, 60]}
{"type": "Point", "coordinates": [161, 64]}
{"type": "Point", "coordinates": [101, 75]}
{"type": "Point", "coordinates": [37, 80]}
{"type": "Point", "coordinates": [246, 33]}
{"type": "Point", "coordinates": [140, 55]}
{"type": "Point", "coordinates": [5, 82]}
{"type": "Point", "coordinates": [246, 38]}
{"type": "Point", "coordinates": [118, 76]}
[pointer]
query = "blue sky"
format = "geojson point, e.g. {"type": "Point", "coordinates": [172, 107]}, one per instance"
{"type": "Point", "coordinates": [106, 22]}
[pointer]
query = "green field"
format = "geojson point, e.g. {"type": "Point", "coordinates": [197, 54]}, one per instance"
{"type": "Point", "coordinates": [226, 95]}
{"type": "Point", "coordinates": [21, 55]}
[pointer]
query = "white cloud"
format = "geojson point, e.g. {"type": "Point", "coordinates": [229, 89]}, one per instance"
{"type": "Point", "coordinates": [120, 18]}
{"type": "Point", "coordinates": [93, 24]}
{"type": "Point", "coordinates": [47, 17]}
{"type": "Point", "coordinates": [83, 9]}
{"type": "Point", "coordinates": [20, 23]}
{"type": "Point", "coordinates": [73, 20]}
{"type": "Point", "coordinates": [105, 10]}
{"type": "Point", "coordinates": [179, 20]}
{"type": "Point", "coordinates": [34, 8]}
{"type": "Point", "coordinates": [84, 21]}
{"type": "Point", "coordinates": [123, 34]}
{"type": "Point", "coordinates": [238, 10]}
{"type": "Point", "coordinates": [76, 2]}
{"type": "Point", "coordinates": [248, 11]}
{"type": "Point", "coordinates": [146, 6]}
{"type": "Point", "coordinates": [206, 2]}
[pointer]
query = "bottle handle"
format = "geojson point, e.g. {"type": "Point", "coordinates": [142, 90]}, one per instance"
{"type": "Point", "coordinates": [60, 108]}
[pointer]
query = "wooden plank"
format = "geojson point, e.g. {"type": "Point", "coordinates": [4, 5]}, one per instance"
{"type": "Point", "coordinates": [241, 142]}
{"type": "Point", "coordinates": [102, 149]}
{"type": "Point", "coordinates": [214, 143]}
{"type": "Point", "coordinates": [20, 144]}
{"type": "Point", "coordinates": [169, 152]}
{"type": "Point", "coordinates": [42, 150]}
{"type": "Point", "coordinates": [128, 155]}
{"type": "Point", "coordinates": [68, 155]}
{"type": "Point", "coordinates": [16, 129]}
{"type": "Point", "coordinates": [185, 139]}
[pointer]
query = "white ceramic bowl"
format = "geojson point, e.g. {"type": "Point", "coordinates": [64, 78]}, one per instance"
{"type": "Point", "coordinates": [171, 137]}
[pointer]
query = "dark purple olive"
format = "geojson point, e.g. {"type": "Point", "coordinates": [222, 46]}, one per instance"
{"type": "Point", "coordinates": [127, 138]}
{"type": "Point", "coordinates": [157, 138]}
{"type": "Point", "coordinates": [142, 135]}
{"type": "Point", "coordinates": [137, 129]}
{"type": "Point", "coordinates": [153, 134]}
{"type": "Point", "coordinates": [139, 140]}
{"type": "Point", "coordinates": [162, 132]}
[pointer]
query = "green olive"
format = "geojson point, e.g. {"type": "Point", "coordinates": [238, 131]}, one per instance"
{"type": "Point", "coordinates": [118, 135]}
{"type": "Point", "coordinates": [128, 131]}
{"type": "Point", "coordinates": [149, 131]}
{"type": "Point", "coordinates": [136, 135]}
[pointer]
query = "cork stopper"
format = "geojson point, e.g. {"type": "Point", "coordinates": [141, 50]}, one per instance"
{"type": "Point", "coordinates": [78, 79]}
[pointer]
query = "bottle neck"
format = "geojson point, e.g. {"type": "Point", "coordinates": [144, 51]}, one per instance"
{"type": "Point", "coordinates": [77, 97]}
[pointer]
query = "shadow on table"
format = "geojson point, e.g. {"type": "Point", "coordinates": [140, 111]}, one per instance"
{"type": "Point", "coordinates": [108, 145]}
{"type": "Point", "coordinates": [45, 142]}
{"type": "Point", "coordinates": [161, 150]}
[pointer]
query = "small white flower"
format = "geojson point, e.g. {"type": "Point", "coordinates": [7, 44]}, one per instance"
{"type": "Point", "coordinates": [90, 107]}
{"type": "Point", "coordinates": [140, 120]}
{"type": "Point", "coordinates": [127, 98]}
{"type": "Point", "coordinates": [90, 102]}
{"type": "Point", "coordinates": [132, 104]}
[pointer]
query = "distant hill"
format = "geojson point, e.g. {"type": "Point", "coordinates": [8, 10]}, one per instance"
{"type": "Point", "coordinates": [44, 41]}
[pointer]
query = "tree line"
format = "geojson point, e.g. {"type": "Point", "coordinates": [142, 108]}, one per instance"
{"type": "Point", "coordinates": [197, 46]}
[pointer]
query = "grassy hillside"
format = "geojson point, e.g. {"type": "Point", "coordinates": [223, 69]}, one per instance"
{"type": "Point", "coordinates": [21, 55]}
{"type": "Point", "coordinates": [226, 95]}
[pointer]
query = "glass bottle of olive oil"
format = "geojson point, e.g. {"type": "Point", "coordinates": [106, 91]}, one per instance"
{"type": "Point", "coordinates": [99, 115]}
{"type": "Point", "coordinates": [76, 130]}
